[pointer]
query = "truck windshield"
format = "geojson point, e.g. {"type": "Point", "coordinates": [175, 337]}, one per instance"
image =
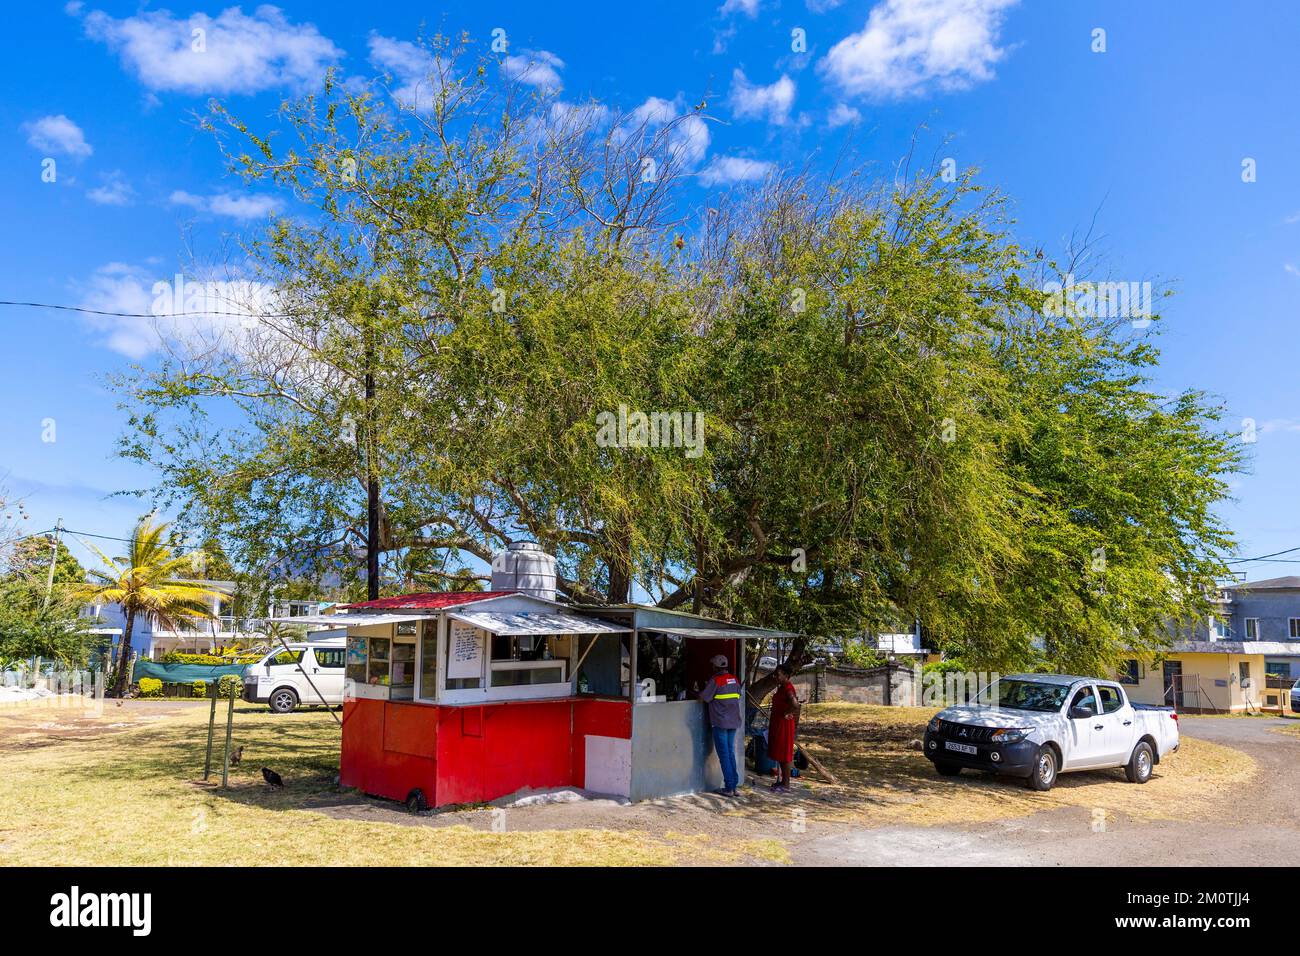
{"type": "Point", "coordinates": [1025, 695]}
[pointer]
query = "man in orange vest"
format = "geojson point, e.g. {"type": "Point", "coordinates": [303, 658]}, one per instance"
{"type": "Point", "coordinates": [721, 693]}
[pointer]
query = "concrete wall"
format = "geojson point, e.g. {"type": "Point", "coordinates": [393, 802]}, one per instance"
{"type": "Point", "coordinates": [857, 686]}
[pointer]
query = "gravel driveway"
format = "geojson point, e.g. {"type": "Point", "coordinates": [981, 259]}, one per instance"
{"type": "Point", "coordinates": [1262, 828]}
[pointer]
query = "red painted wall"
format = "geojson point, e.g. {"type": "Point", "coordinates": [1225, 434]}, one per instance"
{"type": "Point", "coordinates": [472, 754]}
{"type": "Point", "coordinates": [388, 749]}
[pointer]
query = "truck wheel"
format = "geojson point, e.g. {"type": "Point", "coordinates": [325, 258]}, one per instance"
{"type": "Point", "coordinates": [1044, 773]}
{"type": "Point", "coordinates": [947, 769]}
{"type": "Point", "coordinates": [283, 700]}
{"type": "Point", "coordinates": [1139, 765]}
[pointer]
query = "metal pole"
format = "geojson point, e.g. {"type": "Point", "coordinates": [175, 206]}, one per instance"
{"type": "Point", "coordinates": [212, 721]}
{"type": "Point", "coordinates": [313, 684]}
{"type": "Point", "coordinates": [230, 720]}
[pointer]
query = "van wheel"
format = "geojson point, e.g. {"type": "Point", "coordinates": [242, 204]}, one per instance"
{"type": "Point", "coordinates": [283, 700]}
{"type": "Point", "coordinates": [1044, 773]}
{"type": "Point", "coordinates": [416, 802]}
{"type": "Point", "coordinates": [947, 769]}
{"type": "Point", "coordinates": [1139, 765]}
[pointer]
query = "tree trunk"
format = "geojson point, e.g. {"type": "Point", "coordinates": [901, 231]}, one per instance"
{"type": "Point", "coordinates": [124, 658]}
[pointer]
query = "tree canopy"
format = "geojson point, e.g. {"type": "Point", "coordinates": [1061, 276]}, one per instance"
{"type": "Point", "coordinates": [895, 424]}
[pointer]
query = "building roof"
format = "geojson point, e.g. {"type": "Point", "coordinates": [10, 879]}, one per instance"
{"type": "Point", "coordinates": [1275, 648]}
{"type": "Point", "coordinates": [1289, 582]}
{"type": "Point", "coordinates": [428, 600]}
{"type": "Point", "coordinates": [534, 622]}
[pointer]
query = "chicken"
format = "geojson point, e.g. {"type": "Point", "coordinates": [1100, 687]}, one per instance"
{"type": "Point", "coordinates": [236, 755]}
{"type": "Point", "coordinates": [271, 777]}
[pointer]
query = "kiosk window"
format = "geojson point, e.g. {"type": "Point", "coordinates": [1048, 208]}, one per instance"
{"type": "Point", "coordinates": [429, 662]}
{"type": "Point", "coordinates": [662, 658]}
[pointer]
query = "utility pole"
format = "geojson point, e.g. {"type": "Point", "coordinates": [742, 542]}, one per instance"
{"type": "Point", "coordinates": [54, 554]}
{"type": "Point", "coordinates": [372, 471]}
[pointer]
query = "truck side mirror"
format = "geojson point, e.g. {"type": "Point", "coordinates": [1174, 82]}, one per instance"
{"type": "Point", "coordinates": [1081, 713]}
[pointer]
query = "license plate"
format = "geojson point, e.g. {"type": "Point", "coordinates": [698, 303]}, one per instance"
{"type": "Point", "coordinates": [960, 748]}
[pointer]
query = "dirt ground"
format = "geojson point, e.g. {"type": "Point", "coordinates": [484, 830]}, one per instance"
{"type": "Point", "coordinates": [1226, 797]}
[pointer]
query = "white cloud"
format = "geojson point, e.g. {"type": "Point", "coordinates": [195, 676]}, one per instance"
{"type": "Point", "coordinates": [756, 102]}
{"type": "Point", "coordinates": [1292, 268]}
{"type": "Point", "coordinates": [841, 114]}
{"type": "Point", "coordinates": [734, 169]}
{"type": "Point", "coordinates": [233, 52]}
{"type": "Point", "coordinates": [689, 138]}
{"type": "Point", "coordinates": [418, 73]}
{"type": "Point", "coordinates": [534, 68]}
{"type": "Point", "coordinates": [1273, 425]}
{"type": "Point", "coordinates": [115, 191]}
{"type": "Point", "coordinates": [910, 46]}
{"type": "Point", "coordinates": [243, 206]}
{"type": "Point", "coordinates": [748, 7]}
{"type": "Point", "coordinates": [821, 6]}
{"type": "Point", "coordinates": [160, 311]}
{"type": "Point", "coordinates": [57, 134]}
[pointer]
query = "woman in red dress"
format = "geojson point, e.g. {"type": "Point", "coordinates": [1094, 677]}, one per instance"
{"type": "Point", "coordinates": [781, 725]}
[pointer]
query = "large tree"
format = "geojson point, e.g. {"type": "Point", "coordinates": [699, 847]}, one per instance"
{"type": "Point", "coordinates": [893, 426]}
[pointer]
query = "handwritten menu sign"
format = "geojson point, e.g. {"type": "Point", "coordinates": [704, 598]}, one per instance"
{"type": "Point", "coordinates": [466, 651]}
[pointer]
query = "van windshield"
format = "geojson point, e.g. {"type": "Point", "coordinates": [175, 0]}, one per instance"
{"type": "Point", "coordinates": [1025, 695]}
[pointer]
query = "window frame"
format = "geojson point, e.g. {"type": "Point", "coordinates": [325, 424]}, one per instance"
{"type": "Point", "coordinates": [1246, 628]}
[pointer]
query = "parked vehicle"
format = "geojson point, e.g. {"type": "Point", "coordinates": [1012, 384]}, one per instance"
{"type": "Point", "coordinates": [1295, 697]}
{"type": "Point", "coordinates": [280, 679]}
{"type": "Point", "coordinates": [1039, 725]}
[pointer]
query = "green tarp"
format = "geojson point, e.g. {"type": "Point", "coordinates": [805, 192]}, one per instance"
{"type": "Point", "coordinates": [184, 673]}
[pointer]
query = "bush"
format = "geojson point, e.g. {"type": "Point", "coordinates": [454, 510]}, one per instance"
{"type": "Point", "coordinates": [200, 688]}
{"type": "Point", "coordinates": [150, 687]}
{"type": "Point", "coordinates": [227, 682]}
{"type": "Point", "coordinates": [945, 667]}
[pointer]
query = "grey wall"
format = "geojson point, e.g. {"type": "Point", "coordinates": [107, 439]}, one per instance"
{"type": "Point", "coordinates": [672, 750]}
{"type": "Point", "coordinates": [1273, 608]}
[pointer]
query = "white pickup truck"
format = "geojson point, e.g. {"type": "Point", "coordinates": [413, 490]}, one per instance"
{"type": "Point", "coordinates": [1039, 725]}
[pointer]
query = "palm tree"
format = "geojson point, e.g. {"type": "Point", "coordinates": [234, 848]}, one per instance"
{"type": "Point", "coordinates": [147, 582]}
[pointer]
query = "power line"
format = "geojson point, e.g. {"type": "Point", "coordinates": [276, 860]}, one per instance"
{"type": "Point", "coordinates": [143, 315]}
{"type": "Point", "coordinates": [1262, 557]}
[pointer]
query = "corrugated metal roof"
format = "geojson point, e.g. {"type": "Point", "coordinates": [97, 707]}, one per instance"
{"type": "Point", "coordinates": [540, 622]}
{"type": "Point", "coordinates": [715, 633]}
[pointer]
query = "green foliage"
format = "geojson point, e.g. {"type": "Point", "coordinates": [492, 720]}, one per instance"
{"type": "Point", "coordinates": [29, 560]}
{"type": "Point", "coordinates": [229, 684]}
{"type": "Point", "coordinates": [151, 687]}
{"type": "Point", "coordinates": [32, 627]}
{"type": "Point", "coordinates": [859, 653]}
{"type": "Point", "coordinates": [893, 425]}
{"type": "Point", "coordinates": [200, 688]}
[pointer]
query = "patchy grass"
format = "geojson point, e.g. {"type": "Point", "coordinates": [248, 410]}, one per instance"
{"type": "Point", "coordinates": [133, 795]}
{"type": "Point", "coordinates": [883, 780]}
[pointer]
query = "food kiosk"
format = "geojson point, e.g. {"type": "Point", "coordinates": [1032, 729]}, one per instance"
{"type": "Point", "coordinates": [464, 697]}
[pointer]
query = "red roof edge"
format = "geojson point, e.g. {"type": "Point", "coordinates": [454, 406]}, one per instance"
{"type": "Point", "coordinates": [427, 600]}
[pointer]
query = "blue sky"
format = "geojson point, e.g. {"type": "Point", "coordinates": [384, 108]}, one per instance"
{"type": "Point", "coordinates": [1150, 136]}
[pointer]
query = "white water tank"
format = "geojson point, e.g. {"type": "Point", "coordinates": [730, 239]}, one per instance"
{"type": "Point", "coordinates": [524, 566]}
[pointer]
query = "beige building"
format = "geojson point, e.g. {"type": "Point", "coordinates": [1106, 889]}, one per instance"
{"type": "Point", "coordinates": [1208, 676]}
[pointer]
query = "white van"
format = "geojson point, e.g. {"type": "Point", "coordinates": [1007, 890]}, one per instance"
{"type": "Point", "coordinates": [280, 679]}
